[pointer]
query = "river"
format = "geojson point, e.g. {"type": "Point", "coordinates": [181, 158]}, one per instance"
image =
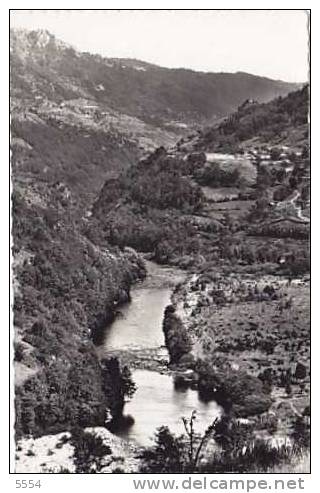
{"type": "Point", "coordinates": [138, 330]}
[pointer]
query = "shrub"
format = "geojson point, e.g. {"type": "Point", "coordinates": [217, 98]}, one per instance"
{"type": "Point", "coordinates": [90, 452]}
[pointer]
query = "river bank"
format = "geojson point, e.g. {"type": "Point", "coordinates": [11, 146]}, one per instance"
{"type": "Point", "coordinates": [247, 341]}
{"type": "Point", "coordinates": [205, 334]}
{"type": "Point", "coordinates": [135, 335]}
{"type": "Point", "coordinates": [161, 399]}
{"type": "Point", "coordinates": [136, 338]}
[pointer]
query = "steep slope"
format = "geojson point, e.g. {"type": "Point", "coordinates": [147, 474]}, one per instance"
{"type": "Point", "coordinates": [48, 150]}
{"type": "Point", "coordinates": [66, 289]}
{"type": "Point", "coordinates": [81, 118]}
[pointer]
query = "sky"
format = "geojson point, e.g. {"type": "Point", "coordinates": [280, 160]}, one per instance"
{"type": "Point", "coordinates": [271, 43]}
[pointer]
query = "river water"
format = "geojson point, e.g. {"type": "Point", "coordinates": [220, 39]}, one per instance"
{"type": "Point", "coordinates": [139, 327]}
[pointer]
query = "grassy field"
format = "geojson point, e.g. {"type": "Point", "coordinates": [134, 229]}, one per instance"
{"type": "Point", "coordinates": [225, 200]}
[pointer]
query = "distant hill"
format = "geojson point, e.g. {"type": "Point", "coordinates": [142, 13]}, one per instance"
{"type": "Point", "coordinates": [46, 68]}
{"type": "Point", "coordinates": [283, 120]}
{"type": "Point", "coordinates": [81, 118]}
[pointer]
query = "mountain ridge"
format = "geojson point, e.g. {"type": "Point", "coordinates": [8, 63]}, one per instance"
{"type": "Point", "coordinates": [45, 33]}
{"type": "Point", "coordinates": [158, 95]}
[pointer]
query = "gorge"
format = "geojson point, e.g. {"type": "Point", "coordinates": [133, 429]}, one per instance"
{"type": "Point", "coordinates": [137, 335]}
{"type": "Point", "coordinates": [161, 222]}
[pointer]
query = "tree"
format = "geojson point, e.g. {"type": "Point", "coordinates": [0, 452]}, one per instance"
{"type": "Point", "coordinates": [90, 452]}
{"type": "Point", "coordinates": [196, 443]}
{"type": "Point", "coordinates": [288, 389]}
{"type": "Point", "coordinates": [231, 435]}
{"type": "Point", "coordinates": [264, 178]}
{"type": "Point", "coordinates": [267, 377]}
{"type": "Point", "coordinates": [260, 209]}
{"type": "Point", "coordinates": [176, 336]}
{"type": "Point", "coordinates": [118, 385]}
{"type": "Point", "coordinates": [18, 351]}
{"type": "Point", "coordinates": [236, 449]}
{"type": "Point", "coordinates": [172, 454]}
{"type": "Point", "coordinates": [167, 454]}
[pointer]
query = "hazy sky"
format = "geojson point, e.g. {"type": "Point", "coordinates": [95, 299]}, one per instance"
{"type": "Point", "coordinates": [270, 43]}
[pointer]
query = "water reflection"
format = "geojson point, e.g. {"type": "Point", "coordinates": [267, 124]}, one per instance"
{"type": "Point", "coordinates": [157, 402]}
{"type": "Point", "coordinates": [140, 324]}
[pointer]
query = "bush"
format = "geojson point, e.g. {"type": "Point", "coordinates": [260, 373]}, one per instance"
{"type": "Point", "coordinates": [90, 452]}
{"type": "Point", "coordinates": [236, 450]}
{"type": "Point", "coordinates": [240, 393]}
{"type": "Point", "coordinates": [166, 456]}
{"type": "Point", "coordinates": [301, 371]}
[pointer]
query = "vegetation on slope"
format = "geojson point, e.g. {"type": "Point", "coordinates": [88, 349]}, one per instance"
{"type": "Point", "coordinates": [66, 286]}
{"type": "Point", "coordinates": [158, 206]}
{"type": "Point", "coordinates": [66, 291]}
{"type": "Point", "coordinates": [71, 269]}
{"type": "Point", "coordinates": [275, 121]}
{"type": "Point", "coordinates": [142, 207]}
{"type": "Point", "coordinates": [245, 343]}
{"type": "Point", "coordinates": [158, 96]}
{"type": "Point", "coordinates": [47, 151]}
{"type": "Point", "coordinates": [227, 446]}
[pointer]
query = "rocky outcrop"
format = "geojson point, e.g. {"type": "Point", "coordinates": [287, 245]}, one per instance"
{"type": "Point", "coordinates": [54, 453]}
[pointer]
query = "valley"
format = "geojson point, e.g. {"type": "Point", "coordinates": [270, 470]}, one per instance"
{"type": "Point", "coordinates": [161, 247]}
{"type": "Point", "coordinates": [238, 329]}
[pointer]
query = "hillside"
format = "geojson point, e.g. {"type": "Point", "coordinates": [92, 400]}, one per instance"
{"type": "Point", "coordinates": [173, 99]}
{"type": "Point", "coordinates": [66, 288]}
{"type": "Point", "coordinates": [170, 203]}
{"type": "Point", "coordinates": [108, 156]}
{"type": "Point", "coordinates": [283, 121]}
{"type": "Point", "coordinates": [239, 223]}
{"type": "Point", "coordinates": [81, 118]}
